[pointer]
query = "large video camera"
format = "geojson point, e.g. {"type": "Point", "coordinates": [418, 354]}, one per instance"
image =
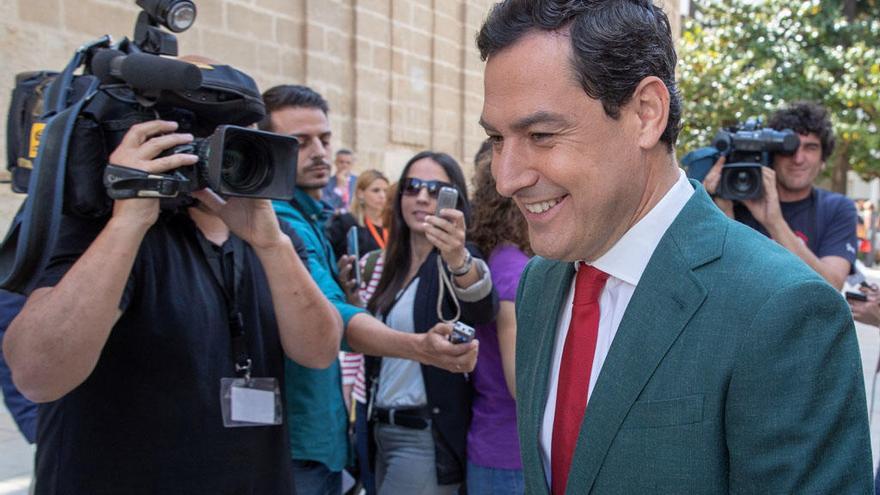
{"type": "Point", "coordinates": [748, 148]}
{"type": "Point", "coordinates": [62, 127]}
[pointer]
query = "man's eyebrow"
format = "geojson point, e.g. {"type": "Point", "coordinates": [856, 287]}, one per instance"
{"type": "Point", "coordinates": [524, 123]}
{"type": "Point", "coordinates": [487, 126]}
{"type": "Point", "coordinates": [538, 118]}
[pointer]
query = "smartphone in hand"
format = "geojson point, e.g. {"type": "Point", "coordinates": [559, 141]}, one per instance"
{"type": "Point", "coordinates": [447, 198]}
{"type": "Point", "coordinates": [354, 250]}
{"type": "Point", "coordinates": [855, 296]}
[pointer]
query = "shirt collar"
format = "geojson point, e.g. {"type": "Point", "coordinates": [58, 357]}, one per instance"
{"type": "Point", "coordinates": [316, 210]}
{"type": "Point", "coordinates": [629, 257]}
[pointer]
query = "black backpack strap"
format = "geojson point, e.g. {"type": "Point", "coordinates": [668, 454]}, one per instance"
{"type": "Point", "coordinates": [34, 232]}
{"type": "Point", "coordinates": [59, 92]}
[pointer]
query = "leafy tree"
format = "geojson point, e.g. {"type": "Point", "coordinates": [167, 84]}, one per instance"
{"type": "Point", "coordinates": [741, 59]}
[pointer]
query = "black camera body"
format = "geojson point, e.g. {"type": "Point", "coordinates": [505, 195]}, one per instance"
{"type": "Point", "coordinates": [747, 149]}
{"type": "Point", "coordinates": [462, 333]}
{"type": "Point", "coordinates": [235, 161]}
{"type": "Point", "coordinates": [62, 127]}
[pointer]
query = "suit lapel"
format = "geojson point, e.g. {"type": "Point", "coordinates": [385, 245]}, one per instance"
{"type": "Point", "coordinates": [549, 295]}
{"type": "Point", "coordinates": [666, 298]}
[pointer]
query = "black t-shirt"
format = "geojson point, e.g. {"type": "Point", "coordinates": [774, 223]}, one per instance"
{"type": "Point", "coordinates": [825, 221]}
{"type": "Point", "coordinates": [147, 420]}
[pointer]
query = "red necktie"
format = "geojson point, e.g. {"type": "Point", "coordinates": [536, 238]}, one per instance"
{"type": "Point", "coordinates": [574, 372]}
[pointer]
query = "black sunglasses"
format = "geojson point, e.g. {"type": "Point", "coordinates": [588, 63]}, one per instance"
{"type": "Point", "coordinates": [412, 186]}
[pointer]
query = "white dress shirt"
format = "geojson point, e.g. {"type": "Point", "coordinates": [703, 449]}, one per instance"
{"type": "Point", "coordinates": [625, 263]}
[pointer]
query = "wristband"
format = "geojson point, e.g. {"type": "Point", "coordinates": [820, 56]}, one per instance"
{"type": "Point", "coordinates": [465, 267]}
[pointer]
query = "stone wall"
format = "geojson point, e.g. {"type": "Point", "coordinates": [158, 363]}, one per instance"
{"type": "Point", "coordinates": [400, 75]}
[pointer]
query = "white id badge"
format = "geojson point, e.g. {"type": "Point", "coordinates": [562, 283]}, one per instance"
{"type": "Point", "coordinates": [253, 402]}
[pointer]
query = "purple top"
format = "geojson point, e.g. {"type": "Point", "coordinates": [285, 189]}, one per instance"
{"type": "Point", "coordinates": [492, 439]}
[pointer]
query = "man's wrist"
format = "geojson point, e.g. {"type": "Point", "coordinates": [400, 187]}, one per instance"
{"type": "Point", "coordinates": [275, 247]}
{"type": "Point", "coordinates": [130, 224]}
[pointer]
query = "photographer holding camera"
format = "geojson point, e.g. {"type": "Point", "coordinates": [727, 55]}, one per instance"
{"type": "Point", "coordinates": [817, 225]}
{"type": "Point", "coordinates": [139, 323]}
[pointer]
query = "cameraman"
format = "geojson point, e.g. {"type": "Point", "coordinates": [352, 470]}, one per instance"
{"type": "Point", "coordinates": [817, 225]}
{"type": "Point", "coordinates": [129, 335]}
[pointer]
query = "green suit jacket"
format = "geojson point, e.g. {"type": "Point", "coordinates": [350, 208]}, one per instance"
{"type": "Point", "coordinates": [735, 369]}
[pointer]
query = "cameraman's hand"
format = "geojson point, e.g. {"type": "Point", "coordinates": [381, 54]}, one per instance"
{"type": "Point", "coordinates": [710, 182]}
{"type": "Point", "coordinates": [253, 220]}
{"type": "Point", "coordinates": [867, 312]}
{"type": "Point", "coordinates": [766, 209]}
{"type": "Point", "coordinates": [439, 352]}
{"type": "Point", "coordinates": [139, 148]}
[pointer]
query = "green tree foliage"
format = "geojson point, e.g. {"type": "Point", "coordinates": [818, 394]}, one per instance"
{"type": "Point", "coordinates": [741, 59]}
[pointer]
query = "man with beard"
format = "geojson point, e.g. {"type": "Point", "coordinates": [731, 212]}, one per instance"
{"type": "Point", "coordinates": [315, 407]}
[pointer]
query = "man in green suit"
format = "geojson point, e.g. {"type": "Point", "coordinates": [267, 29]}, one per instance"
{"type": "Point", "coordinates": [662, 348]}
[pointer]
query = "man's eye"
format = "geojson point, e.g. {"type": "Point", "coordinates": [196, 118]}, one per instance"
{"type": "Point", "coordinates": [540, 136]}
{"type": "Point", "coordinates": [495, 140]}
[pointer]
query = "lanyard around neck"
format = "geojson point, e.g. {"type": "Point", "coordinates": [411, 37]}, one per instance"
{"type": "Point", "coordinates": [380, 240]}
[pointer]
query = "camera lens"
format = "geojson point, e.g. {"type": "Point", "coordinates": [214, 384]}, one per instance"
{"type": "Point", "coordinates": [246, 165]}
{"type": "Point", "coordinates": [742, 182]}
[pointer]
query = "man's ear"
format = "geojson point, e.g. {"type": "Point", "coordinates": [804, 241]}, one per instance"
{"type": "Point", "coordinates": [651, 104]}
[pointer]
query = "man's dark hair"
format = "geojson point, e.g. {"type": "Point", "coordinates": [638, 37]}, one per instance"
{"type": "Point", "coordinates": [290, 95]}
{"type": "Point", "coordinates": [615, 44]}
{"type": "Point", "coordinates": [806, 117]}
{"type": "Point", "coordinates": [344, 151]}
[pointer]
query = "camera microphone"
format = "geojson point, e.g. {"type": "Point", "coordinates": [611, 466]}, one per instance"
{"type": "Point", "coordinates": [145, 72]}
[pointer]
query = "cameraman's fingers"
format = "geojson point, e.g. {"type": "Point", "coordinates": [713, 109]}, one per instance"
{"type": "Point", "coordinates": [716, 168]}
{"type": "Point", "coordinates": [138, 134]}
{"type": "Point", "coordinates": [170, 162]}
{"type": "Point", "coordinates": [158, 144]}
{"type": "Point", "coordinates": [209, 198]}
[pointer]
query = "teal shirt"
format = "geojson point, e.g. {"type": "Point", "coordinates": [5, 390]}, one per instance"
{"type": "Point", "coordinates": [316, 414]}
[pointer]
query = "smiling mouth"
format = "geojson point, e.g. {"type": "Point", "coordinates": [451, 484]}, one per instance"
{"type": "Point", "coordinates": [542, 206]}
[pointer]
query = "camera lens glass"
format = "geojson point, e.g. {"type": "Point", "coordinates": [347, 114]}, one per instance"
{"type": "Point", "coordinates": [742, 182]}
{"type": "Point", "coordinates": [246, 165]}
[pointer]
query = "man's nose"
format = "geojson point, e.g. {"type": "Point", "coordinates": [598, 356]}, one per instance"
{"type": "Point", "coordinates": [317, 149]}
{"type": "Point", "coordinates": [507, 168]}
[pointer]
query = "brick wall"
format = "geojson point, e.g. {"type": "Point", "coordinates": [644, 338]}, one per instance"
{"type": "Point", "coordinates": [400, 75]}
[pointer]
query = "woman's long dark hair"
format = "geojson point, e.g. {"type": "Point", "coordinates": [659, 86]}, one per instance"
{"type": "Point", "coordinates": [398, 252]}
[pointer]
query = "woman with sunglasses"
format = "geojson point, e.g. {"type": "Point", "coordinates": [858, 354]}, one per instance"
{"type": "Point", "coordinates": [420, 414]}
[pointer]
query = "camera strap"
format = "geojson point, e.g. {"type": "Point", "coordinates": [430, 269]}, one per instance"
{"type": "Point", "coordinates": [812, 222]}
{"type": "Point", "coordinates": [446, 284]}
{"type": "Point", "coordinates": [226, 263]}
{"type": "Point", "coordinates": [125, 183]}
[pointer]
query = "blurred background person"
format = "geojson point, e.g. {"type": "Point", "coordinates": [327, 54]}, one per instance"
{"type": "Point", "coordinates": [370, 195]}
{"type": "Point", "coordinates": [339, 191]}
{"type": "Point", "coordinates": [368, 216]}
{"type": "Point", "coordinates": [421, 414]}
{"type": "Point", "coordinates": [498, 228]}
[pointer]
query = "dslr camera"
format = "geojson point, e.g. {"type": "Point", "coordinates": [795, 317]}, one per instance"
{"type": "Point", "coordinates": [62, 127]}
{"type": "Point", "coordinates": [748, 148]}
